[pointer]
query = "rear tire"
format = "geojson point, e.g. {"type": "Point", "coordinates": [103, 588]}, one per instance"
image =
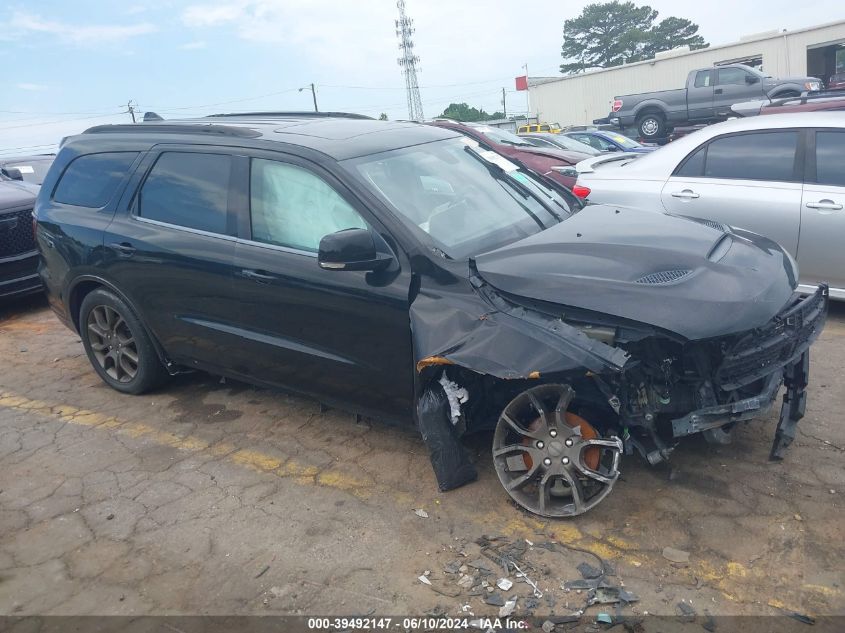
{"type": "Point", "coordinates": [118, 345]}
{"type": "Point", "coordinates": [651, 126]}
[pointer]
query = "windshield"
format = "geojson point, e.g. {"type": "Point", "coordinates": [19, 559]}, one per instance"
{"type": "Point", "coordinates": [623, 141]}
{"type": "Point", "coordinates": [500, 136]}
{"type": "Point", "coordinates": [466, 199]}
{"type": "Point", "coordinates": [567, 142]}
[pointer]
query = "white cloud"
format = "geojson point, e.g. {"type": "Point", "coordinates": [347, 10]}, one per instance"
{"type": "Point", "coordinates": [26, 24]}
{"type": "Point", "coordinates": [32, 87]}
{"type": "Point", "coordinates": [192, 46]}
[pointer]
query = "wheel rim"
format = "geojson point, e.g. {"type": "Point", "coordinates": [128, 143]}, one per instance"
{"type": "Point", "coordinates": [112, 343]}
{"type": "Point", "coordinates": [649, 126]}
{"type": "Point", "coordinates": [541, 454]}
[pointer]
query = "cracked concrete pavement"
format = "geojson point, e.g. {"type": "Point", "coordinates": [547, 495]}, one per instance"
{"type": "Point", "coordinates": [214, 497]}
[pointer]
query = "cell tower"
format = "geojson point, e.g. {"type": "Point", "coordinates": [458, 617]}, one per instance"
{"type": "Point", "coordinates": [408, 62]}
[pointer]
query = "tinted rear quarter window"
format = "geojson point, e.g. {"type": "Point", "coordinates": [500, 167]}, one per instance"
{"type": "Point", "coordinates": [758, 156]}
{"type": "Point", "coordinates": [91, 180]}
{"type": "Point", "coordinates": [693, 166]}
{"type": "Point", "coordinates": [188, 189]}
{"type": "Point", "coordinates": [830, 158]}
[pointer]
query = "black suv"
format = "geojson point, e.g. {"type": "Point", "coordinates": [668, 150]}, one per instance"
{"type": "Point", "coordinates": [401, 271]}
{"type": "Point", "coordinates": [18, 255]}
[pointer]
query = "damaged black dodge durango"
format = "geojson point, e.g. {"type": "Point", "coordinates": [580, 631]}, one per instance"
{"type": "Point", "coordinates": [403, 272]}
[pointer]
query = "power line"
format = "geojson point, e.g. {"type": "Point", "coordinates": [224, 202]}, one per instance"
{"type": "Point", "coordinates": [209, 105]}
{"type": "Point", "coordinates": [86, 118]}
{"type": "Point", "coordinates": [27, 147]}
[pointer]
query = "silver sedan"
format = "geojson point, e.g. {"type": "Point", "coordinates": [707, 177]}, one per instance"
{"type": "Point", "coordinates": [782, 176]}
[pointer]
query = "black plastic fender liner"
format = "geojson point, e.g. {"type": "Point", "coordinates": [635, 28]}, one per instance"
{"type": "Point", "coordinates": [449, 458]}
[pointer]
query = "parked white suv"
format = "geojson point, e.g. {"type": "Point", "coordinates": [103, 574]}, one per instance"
{"type": "Point", "coordinates": [782, 176]}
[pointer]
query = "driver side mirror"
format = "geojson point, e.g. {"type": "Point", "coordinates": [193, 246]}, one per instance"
{"type": "Point", "coordinates": [351, 249]}
{"type": "Point", "coordinates": [751, 79]}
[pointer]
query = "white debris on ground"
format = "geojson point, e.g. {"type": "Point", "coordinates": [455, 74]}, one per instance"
{"type": "Point", "coordinates": [456, 396]}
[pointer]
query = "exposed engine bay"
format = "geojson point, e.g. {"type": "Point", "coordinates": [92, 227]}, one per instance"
{"type": "Point", "coordinates": [559, 436]}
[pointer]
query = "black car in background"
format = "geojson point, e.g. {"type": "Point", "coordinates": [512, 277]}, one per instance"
{"type": "Point", "coordinates": [18, 255]}
{"type": "Point", "coordinates": [29, 169]}
{"type": "Point", "coordinates": [406, 272]}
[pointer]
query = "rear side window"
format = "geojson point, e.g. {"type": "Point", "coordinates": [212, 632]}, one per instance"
{"type": "Point", "coordinates": [91, 180]}
{"type": "Point", "coordinates": [758, 156]}
{"type": "Point", "coordinates": [830, 158]}
{"type": "Point", "coordinates": [188, 189]}
{"type": "Point", "coordinates": [703, 79]}
{"type": "Point", "coordinates": [693, 166]}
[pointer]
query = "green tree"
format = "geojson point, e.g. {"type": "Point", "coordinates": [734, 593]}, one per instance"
{"type": "Point", "coordinates": [613, 33]}
{"type": "Point", "coordinates": [672, 33]}
{"type": "Point", "coordinates": [463, 112]}
{"type": "Point", "coordinates": [382, 116]}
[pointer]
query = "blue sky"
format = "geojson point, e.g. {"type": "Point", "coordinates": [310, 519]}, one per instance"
{"type": "Point", "coordinates": [69, 65]}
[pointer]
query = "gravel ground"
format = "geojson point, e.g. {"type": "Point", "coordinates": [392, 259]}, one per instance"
{"type": "Point", "coordinates": [214, 497]}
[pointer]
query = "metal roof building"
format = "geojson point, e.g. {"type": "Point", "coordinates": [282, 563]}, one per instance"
{"type": "Point", "coordinates": [817, 51]}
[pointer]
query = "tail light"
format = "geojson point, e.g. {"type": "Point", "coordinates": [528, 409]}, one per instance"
{"type": "Point", "coordinates": [617, 105]}
{"type": "Point", "coordinates": [581, 191]}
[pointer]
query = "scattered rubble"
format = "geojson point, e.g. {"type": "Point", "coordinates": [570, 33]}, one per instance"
{"type": "Point", "coordinates": [508, 607]}
{"type": "Point", "coordinates": [520, 578]}
{"type": "Point", "coordinates": [675, 555]}
{"type": "Point", "coordinates": [421, 513]}
{"type": "Point", "coordinates": [504, 584]}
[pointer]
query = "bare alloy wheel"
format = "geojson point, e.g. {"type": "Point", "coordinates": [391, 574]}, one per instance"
{"type": "Point", "coordinates": [551, 461]}
{"type": "Point", "coordinates": [113, 343]}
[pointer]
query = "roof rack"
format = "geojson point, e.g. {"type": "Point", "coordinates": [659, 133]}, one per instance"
{"type": "Point", "coordinates": [293, 114]}
{"type": "Point", "coordinates": [176, 128]}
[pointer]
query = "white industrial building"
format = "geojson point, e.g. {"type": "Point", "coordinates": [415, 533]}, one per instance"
{"type": "Point", "coordinates": [817, 51]}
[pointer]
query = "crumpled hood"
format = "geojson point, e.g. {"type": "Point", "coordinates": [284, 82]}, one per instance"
{"type": "Point", "coordinates": [667, 271]}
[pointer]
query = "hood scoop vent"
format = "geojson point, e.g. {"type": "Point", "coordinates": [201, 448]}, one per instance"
{"type": "Point", "coordinates": [663, 277]}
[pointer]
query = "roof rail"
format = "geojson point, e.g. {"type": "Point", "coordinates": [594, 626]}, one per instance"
{"type": "Point", "coordinates": [293, 114]}
{"type": "Point", "coordinates": [176, 128]}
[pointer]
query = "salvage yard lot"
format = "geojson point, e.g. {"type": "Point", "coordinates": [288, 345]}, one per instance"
{"type": "Point", "coordinates": [210, 496]}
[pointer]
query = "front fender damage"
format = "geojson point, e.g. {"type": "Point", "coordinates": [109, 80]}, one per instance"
{"type": "Point", "coordinates": [470, 325]}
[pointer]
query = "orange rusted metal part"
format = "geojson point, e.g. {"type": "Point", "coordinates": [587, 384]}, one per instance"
{"type": "Point", "coordinates": [432, 360]}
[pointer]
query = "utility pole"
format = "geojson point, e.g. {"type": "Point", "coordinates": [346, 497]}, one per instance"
{"type": "Point", "coordinates": [504, 104]}
{"type": "Point", "coordinates": [313, 95]}
{"type": "Point", "coordinates": [408, 62]}
{"type": "Point", "coordinates": [130, 107]}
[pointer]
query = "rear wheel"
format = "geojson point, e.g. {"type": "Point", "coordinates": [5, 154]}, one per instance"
{"type": "Point", "coordinates": [117, 344]}
{"type": "Point", "coordinates": [551, 461]}
{"type": "Point", "coordinates": [651, 126]}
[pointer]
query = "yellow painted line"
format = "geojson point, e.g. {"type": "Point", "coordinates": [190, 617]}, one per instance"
{"type": "Point", "coordinates": [728, 579]}
{"type": "Point", "coordinates": [303, 474]}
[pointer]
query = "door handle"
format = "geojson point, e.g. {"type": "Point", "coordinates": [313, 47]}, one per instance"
{"type": "Point", "coordinates": [260, 276]}
{"type": "Point", "coordinates": [717, 91]}
{"type": "Point", "coordinates": [124, 249]}
{"type": "Point", "coordinates": [687, 194]}
{"type": "Point", "coordinates": [828, 205]}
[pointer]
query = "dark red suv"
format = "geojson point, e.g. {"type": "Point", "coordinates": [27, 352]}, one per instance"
{"type": "Point", "coordinates": [556, 164]}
